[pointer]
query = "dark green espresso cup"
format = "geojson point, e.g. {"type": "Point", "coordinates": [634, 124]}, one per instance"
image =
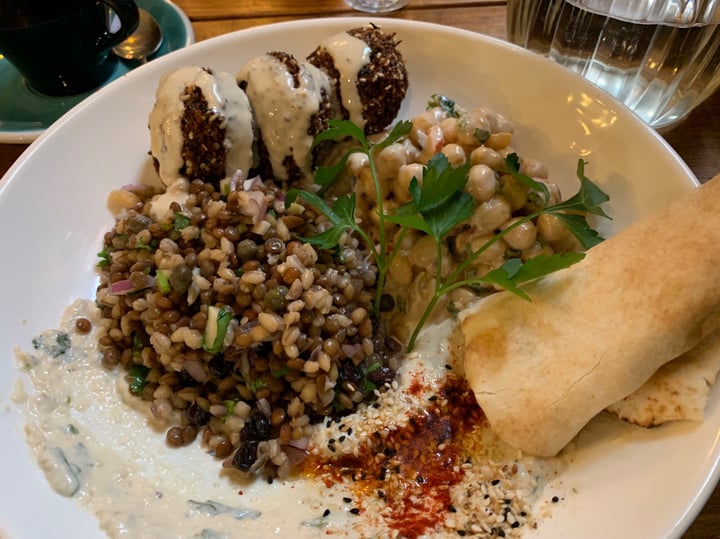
{"type": "Point", "coordinates": [62, 47]}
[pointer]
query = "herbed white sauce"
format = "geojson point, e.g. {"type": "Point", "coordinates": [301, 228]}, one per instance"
{"type": "Point", "coordinates": [350, 55]}
{"type": "Point", "coordinates": [95, 443]}
{"type": "Point", "coordinates": [282, 111]}
{"type": "Point", "coordinates": [223, 96]}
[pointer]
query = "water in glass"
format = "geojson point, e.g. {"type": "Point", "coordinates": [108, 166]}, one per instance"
{"type": "Point", "coordinates": [660, 58]}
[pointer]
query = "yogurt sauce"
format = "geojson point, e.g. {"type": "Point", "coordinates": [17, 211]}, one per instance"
{"type": "Point", "coordinates": [283, 112]}
{"type": "Point", "coordinates": [223, 96]}
{"type": "Point", "coordinates": [350, 55]}
{"type": "Point", "coordinates": [95, 444]}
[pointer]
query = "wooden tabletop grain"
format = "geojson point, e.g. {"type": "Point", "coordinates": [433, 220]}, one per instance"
{"type": "Point", "coordinates": [696, 140]}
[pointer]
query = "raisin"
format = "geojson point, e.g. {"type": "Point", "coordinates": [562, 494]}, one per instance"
{"type": "Point", "coordinates": [246, 455]}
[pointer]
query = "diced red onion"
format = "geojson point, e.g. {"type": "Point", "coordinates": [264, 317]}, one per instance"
{"type": "Point", "coordinates": [126, 286]}
{"type": "Point", "coordinates": [194, 369]}
{"type": "Point", "coordinates": [350, 349]}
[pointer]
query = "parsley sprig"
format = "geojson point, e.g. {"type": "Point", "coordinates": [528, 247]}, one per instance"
{"type": "Point", "coordinates": [438, 205]}
{"type": "Point", "coordinates": [342, 212]}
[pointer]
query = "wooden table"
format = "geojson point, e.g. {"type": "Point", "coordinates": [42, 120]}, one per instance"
{"type": "Point", "coordinates": [697, 140]}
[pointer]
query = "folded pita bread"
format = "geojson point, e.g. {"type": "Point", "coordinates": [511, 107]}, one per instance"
{"type": "Point", "coordinates": [678, 391]}
{"type": "Point", "coordinates": [597, 331]}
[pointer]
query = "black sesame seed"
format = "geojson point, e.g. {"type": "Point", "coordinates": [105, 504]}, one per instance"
{"type": "Point", "coordinates": [432, 398]}
{"type": "Point", "coordinates": [349, 431]}
{"type": "Point", "coordinates": [495, 482]}
{"type": "Point", "coordinates": [501, 533]}
{"type": "Point", "coordinates": [555, 499]}
{"type": "Point", "coordinates": [515, 524]}
{"type": "Point", "coordinates": [341, 439]}
{"type": "Point", "coordinates": [381, 494]}
{"type": "Point", "coordinates": [461, 533]}
{"type": "Point", "coordinates": [355, 511]}
{"type": "Point", "coordinates": [448, 367]}
{"type": "Point", "coordinates": [452, 509]}
{"type": "Point", "coordinates": [347, 500]}
{"type": "Point", "coordinates": [326, 512]}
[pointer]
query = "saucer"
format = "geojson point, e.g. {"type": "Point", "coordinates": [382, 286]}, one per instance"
{"type": "Point", "coordinates": [25, 113]}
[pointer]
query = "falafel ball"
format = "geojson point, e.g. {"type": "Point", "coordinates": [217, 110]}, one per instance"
{"type": "Point", "coordinates": [290, 100]}
{"type": "Point", "coordinates": [368, 74]}
{"type": "Point", "coordinates": [201, 127]}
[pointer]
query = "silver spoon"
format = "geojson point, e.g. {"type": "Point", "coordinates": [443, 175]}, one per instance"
{"type": "Point", "coordinates": [143, 42]}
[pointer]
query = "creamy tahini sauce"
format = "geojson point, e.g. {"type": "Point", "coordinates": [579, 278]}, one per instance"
{"type": "Point", "coordinates": [223, 96]}
{"type": "Point", "coordinates": [350, 55]}
{"type": "Point", "coordinates": [176, 192]}
{"type": "Point", "coordinates": [282, 111]}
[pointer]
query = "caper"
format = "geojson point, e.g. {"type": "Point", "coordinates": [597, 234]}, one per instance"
{"type": "Point", "coordinates": [246, 250]}
{"type": "Point", "coordinates": [137, 222]}
{"type": "Point", "coordinates": [180, 278]}
{"type": "Point", "coordinates": [276, 298]}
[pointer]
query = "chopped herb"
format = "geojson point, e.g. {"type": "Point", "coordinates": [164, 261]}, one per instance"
{"type": "Point", "coordinates": [445, 103]}
{"type": "Point", "coordinates": [216, 328]}
{"type": "Point", "coordinates": [163, 284]}
{"type": "Point", "coordinates": [279, 373]}
{"type": "Point", "coordinates": [256, 384]}
{"type": "Point", "coordinates": [104, 256]}
{"type": "Point", "coordinates": [138, 345]}
{"type": "Point", "coordinates": [137, 378]}
{"type": "Point", "coordinates": [213, 508]}
{"type": "Point", "coordinates": [54, 343]}
{"type": "Point", "coordinates": [481, 135]}
{"type": "Point", "coordinates": [230, 407]}
{"type": "Point", "coordinates": [142, 244]}
{"type": "Point", "coordinates": [180, 221]}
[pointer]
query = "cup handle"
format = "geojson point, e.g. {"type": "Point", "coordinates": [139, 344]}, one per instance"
{"type": "Point", "coordinates": [127, 13]}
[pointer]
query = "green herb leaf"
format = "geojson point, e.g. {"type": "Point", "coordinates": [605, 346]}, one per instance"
{"type": "Point", "coordinates": [588, 199]}
{"type": "Point", "coordinates": [398, 131]}
{"type": "Point", "coordinates": [137, 378]}
{"type": "Point", "coordinates": [445, 103]}
{"type": "Point", "coordinates": [163, 284]}
{"type": "Point", "coordinates": [440, 182]}
{"type": "Point", "coordinates": [105, 260]}
{"type": "Point", "coordinates": [340, 129]}
{"type": "Point", "coordinates": [218, 321]}
{"type": "Point", "coordinates": [512, 164]}
{"type": "Point", "coordinates": [180, 221]}
{"type": "Point", "coordinates": [341, 215]}
{"type": "Point", "coordinates": [580, 228]}
{"type": "Point", "coordinates": [256, 385]}
{"type": "Point", "coordinates": [514, 272]}
{"type": "Point", "coordinates": [230, 407]}
{"type": "Point", "coordinates": [442, 219]}
{"type": "Point", "coordinates": [481, 135]}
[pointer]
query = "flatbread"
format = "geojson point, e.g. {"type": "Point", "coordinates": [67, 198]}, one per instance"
{"type": "Point", "coordinates": [678, 391]}
{"type": "Point", "coordinates": [597, 331]}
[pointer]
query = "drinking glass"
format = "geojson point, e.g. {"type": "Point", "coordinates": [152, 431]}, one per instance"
{"type": "Point", "coordinates": [661, 58]}
{"type": "Point", "coordinates": [376, 6]}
